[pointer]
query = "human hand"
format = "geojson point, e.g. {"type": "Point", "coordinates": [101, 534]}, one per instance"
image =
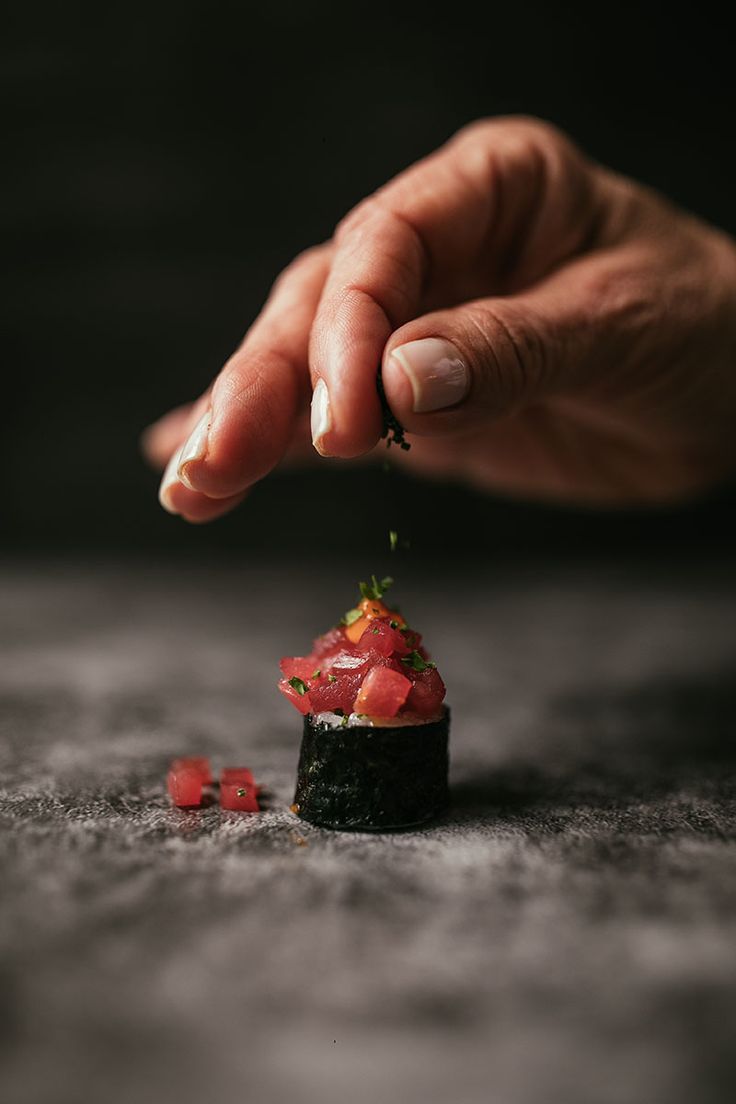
{"type": "Point", "coordinates": [545, 327]}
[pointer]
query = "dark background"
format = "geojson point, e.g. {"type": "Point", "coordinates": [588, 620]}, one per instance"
{"type": "Point", "coordinates": [164, 162]}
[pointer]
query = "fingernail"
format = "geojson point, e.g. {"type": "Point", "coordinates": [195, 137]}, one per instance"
{"type": "Point", "coordinates": [169, 480]}
{"type": "Point", "coordinates": [194, 448]}
{"type": "Point", "coordinates": [437, 373]}
{"type": "Point", "coordinates": [321, 417]}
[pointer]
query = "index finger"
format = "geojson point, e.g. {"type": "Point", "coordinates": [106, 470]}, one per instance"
{"type": "Point", "coordinates": [441, 232]}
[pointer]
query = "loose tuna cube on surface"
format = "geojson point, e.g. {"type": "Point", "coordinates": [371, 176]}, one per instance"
{"type": "Point", "coordinates": [237, 774]}
{"type": "Point", "coordinates": [239, 797]}
{"type": "Point", "coordinates": [184, 786]}
{"type": "Point", "coordinates": [198, 763]}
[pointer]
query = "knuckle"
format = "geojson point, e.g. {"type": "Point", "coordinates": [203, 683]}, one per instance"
{"type": "Point", "coordinates": [249, 384]}
{"type": "Point", "coordinates": [525, 130]}
{"type": "Point", "coordinates": [511, 354]}
{"type": "Point", "coordinates": [303, 263]}
{"type": "Point", "coordinates": [475, 129]}
{"type": "Point", "coordinates": [545, 136]}
{"type": "Point", "coordinates": [546, 172]}
{"type": "Point", "coordinates": [378, 237]}
{"type": "Point", "coordinates": [620, 292]}
{"type": "Point", "coordinates": [547, 150]}
{"type": "Point", "coordinates": [362, 219]}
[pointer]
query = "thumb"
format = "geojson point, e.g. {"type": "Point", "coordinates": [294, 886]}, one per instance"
{"type": "Point", "coordinates": [451, 370]}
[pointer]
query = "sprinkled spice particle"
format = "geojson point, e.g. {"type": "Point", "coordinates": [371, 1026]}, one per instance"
{"type": "Point", "coordinates": [393, 430]}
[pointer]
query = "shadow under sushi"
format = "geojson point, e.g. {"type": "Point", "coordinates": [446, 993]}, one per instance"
{"type": "Point", "coordinates": [612, 750]}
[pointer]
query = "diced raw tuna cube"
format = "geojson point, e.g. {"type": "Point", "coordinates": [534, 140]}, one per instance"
{"type": "Point", "coordinates": [300, 666]}
{"type": "Point", "coordinates": [337, 691]}
{"type": "Point", "coordinates": [328, 645]}
{"type": "Point", "coordinates": [237, 774]}
{"type": "Point", "coordinates": [198, 763]}
{"type": "Point", "coordinates": [383, 693]}
{"type": "Point", "coordinates": [239, 797]}
{"type": "Point", "coordinates": [185, 786]}
{"type": "Point", "coordinates": [427, 693]}
{"type": "Point", "coordinates": [379, 637]}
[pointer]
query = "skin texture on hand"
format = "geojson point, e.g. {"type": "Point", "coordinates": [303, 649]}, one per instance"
{"type": "Point", "coordinates": [545, 327]}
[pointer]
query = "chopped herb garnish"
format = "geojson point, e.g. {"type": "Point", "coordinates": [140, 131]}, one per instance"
{"type": "Point", "coordinates": [299, 685]}
{"type": "Point", "coordinates": [344, 721]}
{"type": "Point", "coordinates": [375, 631]}
{"type": "Point", "coordinates": [351, 616]}
{"type": "Point", "coordinates": [241, 792]}
{"type": "Point", "coordinates": [375, 589]}
{"type": "Point", "coordinates": [332, 678]}
{"type": "Point", "coordinates": [416, 662]}
{"type": "Point", "coordinates": [393, 430]}
{"type": "Point", "coordinates": [393, 539]}
{"type": "Point", "coordinates": [317, 673]}
{"type": "Point", "coordinates": [394, 624]}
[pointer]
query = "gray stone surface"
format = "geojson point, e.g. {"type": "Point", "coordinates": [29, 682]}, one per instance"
{"type": "Point", "coordinates": [566, 934]}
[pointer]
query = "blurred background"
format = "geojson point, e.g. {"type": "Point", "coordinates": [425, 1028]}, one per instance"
{"type": "Point", "coordinates": [566, 934]}
{"type": "Point", "coordinates": [162, 164]}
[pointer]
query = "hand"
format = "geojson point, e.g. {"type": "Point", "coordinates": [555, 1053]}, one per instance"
{"type": "Point", "coordinates": [545, 327]}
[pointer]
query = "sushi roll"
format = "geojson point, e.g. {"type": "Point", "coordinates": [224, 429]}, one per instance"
{"type": "Point", "coordinates": [374, 752]}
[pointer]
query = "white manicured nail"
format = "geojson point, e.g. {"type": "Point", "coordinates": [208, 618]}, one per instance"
{"type": "Point", "coordinates": [437, 373]}
{"type": "Point", "coordinates": [321, 418]}
{"type": "Point", "coordinates": [170, 479]}
{"type": "Point", "coordinates": [195, 447]}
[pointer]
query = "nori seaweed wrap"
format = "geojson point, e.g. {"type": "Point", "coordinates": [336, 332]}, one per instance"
{"type": "Point", "coordinates": [372, 778]}
{"type": "Point", "coordinates": [374, 750]}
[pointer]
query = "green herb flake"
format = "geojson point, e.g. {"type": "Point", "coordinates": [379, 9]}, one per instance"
{"type": "Point", "coordinates": [299, 685]}
{"type": "Point", "coordinates": [332, 678]}
{"type": "Point", "coordinates": [351, 616]}
{"type": "Point", "coordinates": [416, 662]}
{"type": "Point", "coordinates": [316, 674]}
{"type": "Point", "coordinates": [375, 631]}
{"type": "Point", "coordinates": [375, 589]}
{"type": "Point", "coordinates": [394, 624]}
{"type": "Point", "coordinates": [393, 539]}
{"type": "Point", "coordinates": [240, 792]}
{"type": "Point", "coordinates": [344, 721]}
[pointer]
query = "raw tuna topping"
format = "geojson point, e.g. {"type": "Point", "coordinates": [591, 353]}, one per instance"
{"type": "Point", "coordinates": [371, 664]}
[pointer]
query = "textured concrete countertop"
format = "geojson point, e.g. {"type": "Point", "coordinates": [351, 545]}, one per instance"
{"type": "Point", "coordinates": [566, 933]}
